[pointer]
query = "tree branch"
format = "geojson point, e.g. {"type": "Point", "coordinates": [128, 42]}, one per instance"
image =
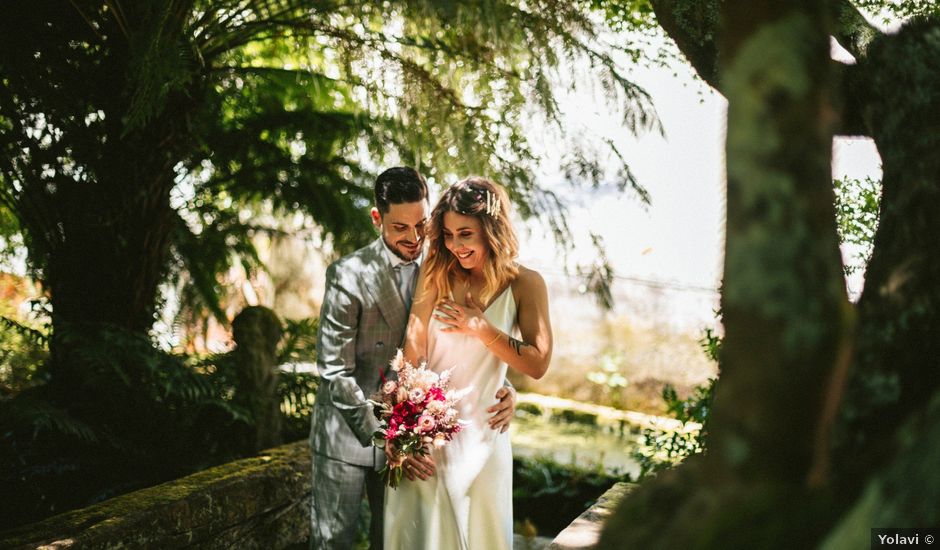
{"type": "Point", "coordinates": [695, 36]}
{"type": "Point", "coordinates": [850, 100]}
{"type": "Point", "coordinates": [850, 28]}
{"type": "Point", "coordinates": [693, 27]}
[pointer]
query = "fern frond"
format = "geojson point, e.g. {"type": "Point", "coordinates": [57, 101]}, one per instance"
{"type": "Point", "coordinates": [32, 335]}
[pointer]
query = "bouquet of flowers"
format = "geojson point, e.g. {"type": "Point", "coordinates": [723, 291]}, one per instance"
{"type": "Point", "coordinates": [416, 412]}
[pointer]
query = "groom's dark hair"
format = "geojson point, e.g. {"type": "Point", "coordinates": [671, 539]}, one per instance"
{"type": "Point", "coordinates": [399, 185]}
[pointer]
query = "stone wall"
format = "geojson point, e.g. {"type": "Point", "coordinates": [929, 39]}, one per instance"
{"type": "Point", "coordinates": [258, 502]}
{"type": "Point", "coordinates": [584, 532]}
{"type": "Point", "coordinates": [261, 502]}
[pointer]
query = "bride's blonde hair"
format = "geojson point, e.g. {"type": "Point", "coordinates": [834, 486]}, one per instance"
{"type": "Point", "coordinates": [489, 203]}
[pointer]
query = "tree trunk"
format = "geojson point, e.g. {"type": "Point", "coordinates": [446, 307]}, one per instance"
{"type": "Point", "coordinates": [784, 306]}
{"type": "Point", "coordinates": [112, 223]}
{"type": "Point", "coordinates": [105, 271]}
{"type": "Point", "coordinates": [784, 302]}
{"type": "Point", "coordinates": [891, 95]}
{"type": "Point", "coordinates": [898, 356]}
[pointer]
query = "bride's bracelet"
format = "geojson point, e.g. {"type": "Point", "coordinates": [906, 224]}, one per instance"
{"type": "Point", "coordinates": [495, 338]}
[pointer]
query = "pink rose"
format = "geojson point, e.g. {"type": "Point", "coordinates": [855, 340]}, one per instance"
{"type": "Point", "coordinates": [426, 423]}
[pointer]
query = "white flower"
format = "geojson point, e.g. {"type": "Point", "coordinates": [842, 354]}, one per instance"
{"type": "Point", "coordinates": [389, 387]}
{"type": "Point", "coordinates": [439, 440]}
{"type": "Point", "coordinates": [425, 379]}
{"type": "Point", "coordinates": [416, 395]}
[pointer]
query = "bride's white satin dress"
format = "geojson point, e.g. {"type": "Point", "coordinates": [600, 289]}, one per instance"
{"type": "Point", "coordinates": [468, 504]}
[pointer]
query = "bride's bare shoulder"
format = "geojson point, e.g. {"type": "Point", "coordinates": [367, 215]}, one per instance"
{"type": "Point", "coordinates": [528, 280]}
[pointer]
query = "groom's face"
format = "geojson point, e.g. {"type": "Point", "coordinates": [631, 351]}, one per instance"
{"type": "Point", "coordinates": [403, 227]}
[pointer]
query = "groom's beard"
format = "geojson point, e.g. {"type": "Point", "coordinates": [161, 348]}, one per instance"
{"type": "Point", "coordinates": [401, 254]}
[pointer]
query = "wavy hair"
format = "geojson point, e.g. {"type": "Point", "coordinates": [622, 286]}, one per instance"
{"type": "Point", "coordinates": [489, 203]}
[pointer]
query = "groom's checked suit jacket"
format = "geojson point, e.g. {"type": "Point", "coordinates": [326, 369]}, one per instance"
{"type": "Point", "coordinates": [362, 325]}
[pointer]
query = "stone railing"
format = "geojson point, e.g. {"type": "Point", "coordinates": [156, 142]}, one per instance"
{"type": "Point", "coordinates": [584, 531]}
{"type": "Point", "coordinates": [258, 502]}
{"type": "Point", "coordinates": [253, 503]}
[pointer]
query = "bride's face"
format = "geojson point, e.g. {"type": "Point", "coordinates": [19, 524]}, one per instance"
{"type": "Point", "coordinates": [463, 237]}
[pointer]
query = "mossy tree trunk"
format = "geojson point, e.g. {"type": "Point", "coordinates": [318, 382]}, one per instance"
{"type": "Point", "coordinates": [784, 302]}
{"type": "Point", "coordinates": [786, 315]}
{"type": "Point", "coordinates": [897, 370]}
{"type": "Point", "coordinates": [769, 445]}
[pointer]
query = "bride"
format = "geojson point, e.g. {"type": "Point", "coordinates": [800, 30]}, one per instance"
{"type": "Point", "coordinates": [478, 311]}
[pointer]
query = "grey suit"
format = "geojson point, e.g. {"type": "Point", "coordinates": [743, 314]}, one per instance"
{"type": "Point", "coordinates": [362, 324]}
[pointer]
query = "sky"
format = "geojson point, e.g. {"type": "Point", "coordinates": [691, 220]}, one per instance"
{"type": "Point", "coordinates": [675, 245]}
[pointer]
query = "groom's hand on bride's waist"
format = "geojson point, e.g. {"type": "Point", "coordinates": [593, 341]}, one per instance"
{"type": "Point", "coordinates": [502, 411]}
{"type": "Point", "coordinates": [418, 467]}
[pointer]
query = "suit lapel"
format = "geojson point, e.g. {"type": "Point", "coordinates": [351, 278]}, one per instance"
{"type": "Point", "coordinates": [384, 288]}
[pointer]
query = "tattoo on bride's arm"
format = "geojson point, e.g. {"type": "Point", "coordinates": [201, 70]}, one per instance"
{"type": "Point", "coordinates": [517, 345]}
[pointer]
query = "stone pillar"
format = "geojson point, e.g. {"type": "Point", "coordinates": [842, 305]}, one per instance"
{"type": "Point", "coordinates": [257, 331]}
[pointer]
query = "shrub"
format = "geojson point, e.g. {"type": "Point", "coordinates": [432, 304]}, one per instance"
{"type": "Point", "coordinates": [662, 449]}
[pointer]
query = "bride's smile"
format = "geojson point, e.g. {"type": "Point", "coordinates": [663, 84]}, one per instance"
{"type": "Point", "coordinates": [463, 237]}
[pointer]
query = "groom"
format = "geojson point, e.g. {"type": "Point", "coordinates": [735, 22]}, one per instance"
{"type": "Point", "coordinates": [362, 325]}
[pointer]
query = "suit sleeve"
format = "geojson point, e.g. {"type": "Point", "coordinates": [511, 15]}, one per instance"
{"type": "Point", "coordinates": [336, 356]}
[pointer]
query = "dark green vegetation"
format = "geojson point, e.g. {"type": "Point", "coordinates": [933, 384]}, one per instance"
{"type": "Point", "coordinates": [551, 495]}
{"type": "Point", "coordinates": [823, 422]}
{"type": "Point", "coordinates": [167, 417]}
